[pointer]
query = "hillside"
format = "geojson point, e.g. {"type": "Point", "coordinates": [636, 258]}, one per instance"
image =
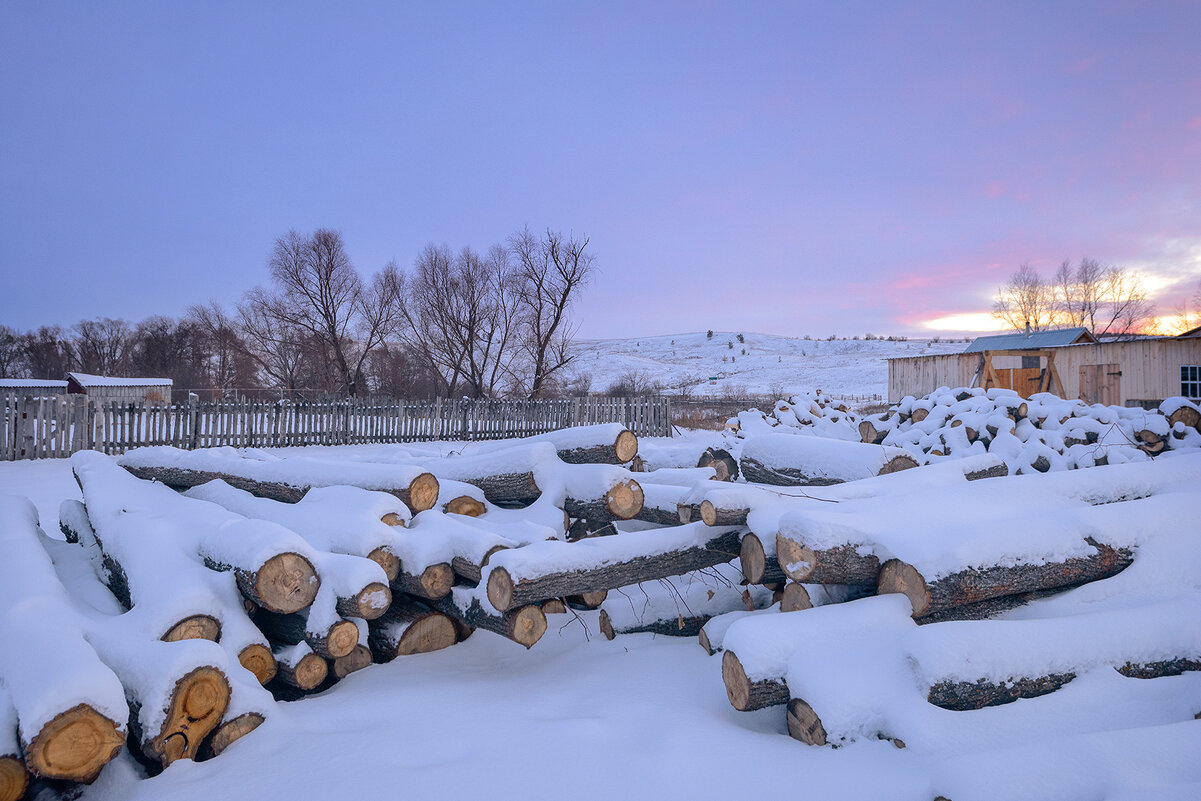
{"type": "Point", "coordinates": [771, 364]}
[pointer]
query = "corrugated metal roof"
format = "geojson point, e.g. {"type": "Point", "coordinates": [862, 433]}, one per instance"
{"type": "Point", "coordinates": [1035, 339]}
{"type": "Point", "coordinates": [86, 380]}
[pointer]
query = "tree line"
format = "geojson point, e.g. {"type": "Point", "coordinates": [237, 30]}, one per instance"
{"type": "Point", "coordinates": [494, 324]}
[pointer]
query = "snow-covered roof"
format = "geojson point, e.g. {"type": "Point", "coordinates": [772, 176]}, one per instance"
{"type": "Point", "coordinates": [1035, 339]}
{"type": "Point", "coordinates": [1191, 333]}
{"type": "Point", "coordinates": [86, 380]}
{"type": "Point", "coordinates": [31, 382]}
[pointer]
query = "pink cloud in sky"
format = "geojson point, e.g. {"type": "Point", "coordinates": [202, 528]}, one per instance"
{"type": "Point", "coordinates": [1081, 65]}
{"type": "Point", "coordinates": [1194, 124]}
{"type": "Point", "coordinates": [994, 189]}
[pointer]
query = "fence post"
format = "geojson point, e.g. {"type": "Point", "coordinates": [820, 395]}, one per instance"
{"type": "Point", "coordinates": [194, 421]}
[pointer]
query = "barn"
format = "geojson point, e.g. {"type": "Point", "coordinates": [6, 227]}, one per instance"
{"type": "Point", "coordinates": [1139, 372]}
{"type": "Point", "coordinates": [32, 387]}
{"type": "Point", "coordinates": [102, 388]}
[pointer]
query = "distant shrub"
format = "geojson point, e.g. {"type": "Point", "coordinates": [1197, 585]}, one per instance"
{"type": "Point", "coordinates": [709, 335]}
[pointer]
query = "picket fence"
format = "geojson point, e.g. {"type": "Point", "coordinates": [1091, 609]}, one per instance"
{"type": "Point", "coordinates": [59, 425]}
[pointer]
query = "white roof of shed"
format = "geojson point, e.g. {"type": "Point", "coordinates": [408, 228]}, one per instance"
{"type": "Point", "coordinates": [86, 380]}
{"type": "Point", "coordinates": [31, 382]}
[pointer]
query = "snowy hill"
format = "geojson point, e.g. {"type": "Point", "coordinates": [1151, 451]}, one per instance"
{"type": "Point", "coordinates": [761, 364]}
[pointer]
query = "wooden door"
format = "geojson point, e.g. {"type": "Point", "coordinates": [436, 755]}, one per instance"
{"type": "Point", "coordinates": [1101, 383]}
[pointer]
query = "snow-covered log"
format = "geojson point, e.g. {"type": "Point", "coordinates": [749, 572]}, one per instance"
{"type": "Point", "coordinates": [610, 443]}
{"type": "Point", "coordinates": [70, 706]}
{"type": "Point", "coordinates": [678, 606]}
{"type": "Point", "coordinates": [139, 521]}
{"type": "Point", "coordinates": [789, 460]}
{"type": "Point", "coordinates": [285, 480]}
{"type": "Point", "coordinates": [249, 707]}
{"type": "Point", "coordinates": [13, 776]}
{"type": "Point", "coordinates": [724, 465]}
{"type": "Point", "coordinates": [409, 627]}
{"type": "Point", "coordinates": [327, 639]}
{"type": "Point", "coordinates": [524, 625]}
{"type": "Point", "coordinates": [557, 569]}
{"type": "Point", "coordinates": [714, 631]}
{"type": "Point", "coordinates": [299, 667]}
{"type": "Point", "coordinates": [757, 566]}
{"type": "Point", "coordinates": [972, 585]}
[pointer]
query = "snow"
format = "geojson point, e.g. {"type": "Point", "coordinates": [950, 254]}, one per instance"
{"type": "Point", "coordinates": [89, 380]}
{"type": "Point", "coordinates": [822, 460]}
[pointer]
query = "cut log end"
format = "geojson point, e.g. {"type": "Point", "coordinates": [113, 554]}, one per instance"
{"type": "Point", "coordinates": [500, 589]}
{"type": "Point", "coordinates": [13, 778]}
{"type": "Point", "coordinates": [554, 606]}
{"type": "Point", "coordinates": [194, 627]}
{"type": "Point", "coordinates": [804, 724]}
{"type": "Point", "coordinates": [370, 602]}
{"type": "Point", "coordinates": [529, 624]}
{"type": "Point", "coordinates": [387, 560]}
{"type": "Point", "coordinates": [606, 625]}
{"type": "Point", "coordinates": [342, 638]}
{"type": "Point", "coordinates": [197, 705]}
{"type": "Point", "coordinates": [74, 746]}
{"type": "Point", "coordinates": [625, 499]}
{"type": "Point", "coordinates": [230, 732]}
{"type": "Point", "coordinates": [738, 686]}
{"type": "Point", "coordinates": [257, 658]}
{"type": "Point", "coordinates": [436, 580]}
{"type": "Point", "coordinates": [423, 492]}
{"type": "Point", "coordinates": [465, 505]}
{"type": "Point", "coordinates": [897, 576]}
{"type": "Point", "coordinates": [355, 661]}
{"type": "Point", "coordinates": [795, 598]}
{"type": "Point", "coordinates": [587, 600]}
{"type": "Point", "coordinates": [751, 555]}
{"type": "Point", "coordinates": [309, 672]}
{"type": "Point", "coordinates": [286, 583]}
{"type": "Point", "coordinates": [393, 519]}
{"type": "Point", "coordinates": [626, 446]}
{"type": "Point", "coordinates": [796, 560]}
{"type": "Point", "coordinates": [430, 633]}
{"type": "Point", "coordinates": [703, 639]}
{"type": "Point", "coordinates": [897, 464]}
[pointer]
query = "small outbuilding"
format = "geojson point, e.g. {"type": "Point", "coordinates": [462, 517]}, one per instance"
{"type": "Point", "coordinates": [32, 387]}
{"type": "Point", "coordinates": [103, 388]}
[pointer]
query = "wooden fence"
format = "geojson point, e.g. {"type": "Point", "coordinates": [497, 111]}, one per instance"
{"type": "Point", "coordinates": [57, 426]}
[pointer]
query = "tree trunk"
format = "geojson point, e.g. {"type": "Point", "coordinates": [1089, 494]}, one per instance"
{"type": "Point", "coordinates": [973, 585]}
{"type": "Point", "coordinates": [524, 625]}
{"type": "Point", "coordinates": [504, 593]}
{"type": "Point", "coordinates": [410, 627]}
{"type": "Point", "coordinates": [746, 695]}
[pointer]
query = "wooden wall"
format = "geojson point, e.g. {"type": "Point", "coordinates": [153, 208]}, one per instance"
{"type": "Point", "coordinates": [1150, 368]}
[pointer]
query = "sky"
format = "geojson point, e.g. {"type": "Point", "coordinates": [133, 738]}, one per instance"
{"type": "Point", "coordinates": [786, 168]}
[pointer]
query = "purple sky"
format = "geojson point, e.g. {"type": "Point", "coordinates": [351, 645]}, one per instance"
{"type": "Point", "coordinates": [800, 168]}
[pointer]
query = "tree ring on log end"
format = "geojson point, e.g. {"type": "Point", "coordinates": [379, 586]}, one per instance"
{"type": "Point", "coordinates": [554, 606]}
{"type": "Point", "coordinates": [387, 560]}
{"type": "Point", "coordinates": [393, 519]}
{"type": "Point", "coordinates": [343, 636]}
{"type": "Point", "coordinates": [804, 724]}
{"type": "Point", "coordinates": [437, 580]}
{"type": "Point", "coordinates": [898, 463]}
{"type": "Point", "coordinates": [257, 658]}
{"type": "Point", "coordinates": [356, 660]}
{"type": "Point", "coordinates": [199, 700]}
{"type": "Point", "coordinates": [529, 624]}
{"type": "Point", "coordinates": [625, 499]}
{"type": "Point", "coordinates": [738, 687]}
{"type": "Point", "coordinates": [796, 560]}
{"type": "Point", "coordinates": [231, 731]}
{"type": "Point", "coordinates": [430, 633]}
{"type": "Point", "coordinates": [423, 492]}
{"type": "Point", "coordinates": [373, 600]}
{"type": "Point", "coordinates": [899, 577]}
{"type": "Point", "coordinates": [286, 583]}
{"type": "Point", "coordinates": [626, 446]}
{"type": "Point", "coordinates": [13, 778]}
{"type": "Point", "coordinates": [75, 745]}
{"type": "Point", "coordinates": [500, 589]}
{"type": "Point", "coordinates": [751, 556]}
{"type": "Point", "coordinates": [465, 505]}
{"type": "Point", "coordinates": [795, 598]}
{"type": "Point", "coordinates": [310, 671]}
{"type": "Point", "coordinates": [194, 627]}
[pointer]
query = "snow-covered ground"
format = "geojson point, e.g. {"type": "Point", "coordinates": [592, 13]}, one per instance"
{"type": "Point", "coordinates": [642, 716]}
{"type": "Point", "coordinates": [771, 365]}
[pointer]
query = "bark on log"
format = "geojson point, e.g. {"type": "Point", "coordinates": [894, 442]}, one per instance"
{"type": "Point", "coordinates": [839, 565]}
{"type": "Point", "coordinates": [286, 583]}
{"type": "Point", "coordinates": [229, 733]}
{"type": "Point", "coordinates": [368, 604]}
{"type": "Point", "coordinates": [970, 586]}
{"type": "Point", "coordinates": [621, 450]}
{"type": "Point", "coordinates": [688, 512]}
{"type": "Point", "coordinates": [757, 566]}
{"type": "Point", "coordinates": [524, 625]}
{"type": "Point", "coordinates": [587, 600]}
{"type": "Point", "coordinates": [433, 583]}
{"type": "Point", "coordinates": [746, 695]}
{"type": "Point", "coordinates": [518, 487]}
{"type": "Point", "coordinates": [678, 626]}
{"type": "Point", "coordinates": [339, 639]}
{"type": "Point", "coordinates": [714, 516]}
{"type": "Point", "coordinates": [353, 662]}
{"type": "Point", "coordinates": [721, 461]}
{"type": "Point", "coordinates": [468, 570]}
{"type": "Point", "coordinates": [195, 707]}
{"type": "Point", "coordinates": [418, 494]}
{"type": "Point", "coordinates": [410, 627]}
{"type": "Point", "coordinates": [504, 593]}
{"type": "Point", "coordinates": [623, 501]}
{"type": "Point", "coordinates": [785, 476]}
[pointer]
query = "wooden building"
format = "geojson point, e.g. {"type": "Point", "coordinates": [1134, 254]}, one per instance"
{"type": "Point", "coordinates": [103, 388]}
{"type": "Point", "coordinates": [32, 387]}
{"type": "Point", "coordinates": [1139, 372]}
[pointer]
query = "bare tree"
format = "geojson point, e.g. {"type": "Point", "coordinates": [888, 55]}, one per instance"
{"type": "Point", "coordinates": [551, 271]}
{"type": "Point", "coordinates": [103, 345]}
{"type": "Point", "coordinates": [11, 355]}
{"type": "Point", "coordinates": [1026, 300]}
{"type": "Point", "coordinates": [319, 292]}
{"type": "Point", "coordinates": [48, 353]}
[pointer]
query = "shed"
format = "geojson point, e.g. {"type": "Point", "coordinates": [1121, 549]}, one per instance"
{"type": "Point", "coordinates": [32, 387]}
{"type": "Point", "coordinates": [1139, 372]}
{"type": "Point", "coordinates": [107, 388]}
{"type": "Point", "coordinates": [1032, 340]}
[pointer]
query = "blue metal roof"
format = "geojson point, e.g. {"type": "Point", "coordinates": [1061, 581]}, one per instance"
{"type": "Point", "coordinates": [1020, 340]}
